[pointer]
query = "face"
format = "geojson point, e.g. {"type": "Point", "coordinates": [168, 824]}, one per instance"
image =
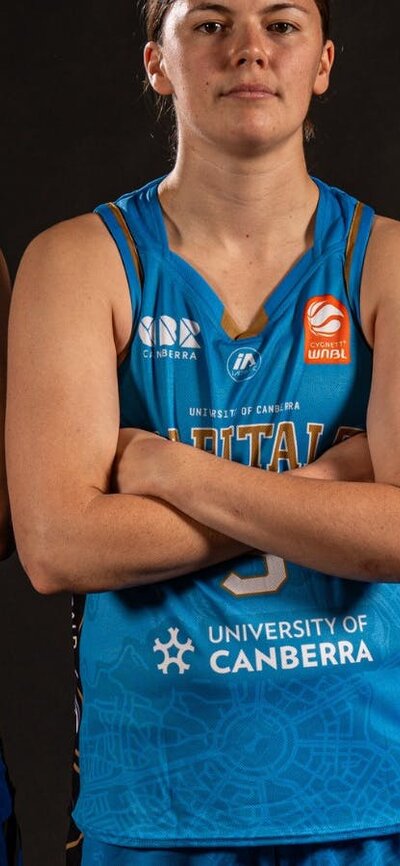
{"type": "Point", "coordinates": [241, 72]}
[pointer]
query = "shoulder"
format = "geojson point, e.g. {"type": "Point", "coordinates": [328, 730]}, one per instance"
{"type": "Point", "coordinates": [381, 276]}
{"type": "Point", "coordinates": [76, 256]}
{"type": "Point", "coordinates": [73, 241]}
{"type": "Point", "coordinates": [74, 265]}
{"type": "Point", "coordinates": [385, 237]}
{"type": "Point", "coordinates": [382, 263]}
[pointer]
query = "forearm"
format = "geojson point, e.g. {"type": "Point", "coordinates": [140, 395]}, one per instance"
{"type": "Point", "coordinates": [346, 529]}
{"type": "Point", "coordinates": [119, 541]}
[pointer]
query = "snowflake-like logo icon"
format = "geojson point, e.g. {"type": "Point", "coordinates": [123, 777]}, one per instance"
{"type": "Point", "coordinates": [176, 659]}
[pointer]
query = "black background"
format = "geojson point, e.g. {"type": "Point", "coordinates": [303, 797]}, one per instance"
{"type": "Point", "coordinates": [76, 131]}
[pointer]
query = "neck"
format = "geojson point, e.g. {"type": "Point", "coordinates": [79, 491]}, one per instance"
{"type": "Point", "coordinates": [229, 198]}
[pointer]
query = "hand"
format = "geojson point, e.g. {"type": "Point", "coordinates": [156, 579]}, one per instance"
{"type": "Point", "coordinates": [139, 461]}
{"type": "Point", "coordinates": [350, 460]}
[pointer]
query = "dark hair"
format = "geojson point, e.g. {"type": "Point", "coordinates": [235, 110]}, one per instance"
{"type": "Point", "coordinates": [325, 13]}
{"type": "Point", "coordinates": [155, 10]}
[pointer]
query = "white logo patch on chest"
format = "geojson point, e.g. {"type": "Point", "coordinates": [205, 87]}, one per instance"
{"type": "Point", "coordinates": [167, 331]}
{"type": "Point", "coordinates": [243, 363]}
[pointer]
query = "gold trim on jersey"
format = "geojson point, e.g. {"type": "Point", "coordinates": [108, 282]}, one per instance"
{"type": "Point", "coordinates": [235, 333]}
{"type": "Point", "coordinates": [129, 239]}
{"type": "Point", "coordinates": [136, 261]}
{"type": "Point", "coordinates": [351, 242]}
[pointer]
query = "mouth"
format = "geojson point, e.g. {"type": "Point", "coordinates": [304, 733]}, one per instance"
{"type": "Point", "coordinates": [250, 91]}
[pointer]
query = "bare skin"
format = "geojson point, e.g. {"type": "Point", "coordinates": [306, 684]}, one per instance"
{"type": "Point", "coordinates": [5, 528]}
{"type": "Point", "coordinates": [240, 158]}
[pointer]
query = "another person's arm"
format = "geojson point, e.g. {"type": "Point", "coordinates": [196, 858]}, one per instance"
{"type": "Point", "coordinates": [346, 528]}
{"type": "Point", "coordinates": [5, 527]}
{"type": "Point", "coordinates": [70, 308]}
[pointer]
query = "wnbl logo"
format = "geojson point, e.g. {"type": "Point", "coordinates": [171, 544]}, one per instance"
{"type": "Point", "coordinates": [166, 331]}
{"type": "Point", "coordinates": [326, 331]}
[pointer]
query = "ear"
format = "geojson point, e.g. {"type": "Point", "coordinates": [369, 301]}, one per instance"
{"type": "Point", "coordinates": [321, 83]}
{"type": "Point", "coordinates": [155, 69]}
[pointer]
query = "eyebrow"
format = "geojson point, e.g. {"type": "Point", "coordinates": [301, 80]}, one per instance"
{"type": "Point", "coordinates": [274, 7]}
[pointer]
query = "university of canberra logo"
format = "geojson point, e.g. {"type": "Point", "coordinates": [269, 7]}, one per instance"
{"type": "Point", "coordinates": [243, 363]}
{"type": "Point", "coordinates": [326, 331]}
{"type": "Point", "coordinates": [174, 658]}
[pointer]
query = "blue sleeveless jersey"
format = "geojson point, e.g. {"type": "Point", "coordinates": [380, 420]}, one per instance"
{"type": "Point", "coordinates": [255, 701]}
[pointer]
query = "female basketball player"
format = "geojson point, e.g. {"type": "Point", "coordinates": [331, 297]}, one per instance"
{"type": "Point", "coordinates": [239, 686]}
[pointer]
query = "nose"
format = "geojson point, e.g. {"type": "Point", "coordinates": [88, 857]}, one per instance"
{"type": "Point", "coordinates": [248, 48]}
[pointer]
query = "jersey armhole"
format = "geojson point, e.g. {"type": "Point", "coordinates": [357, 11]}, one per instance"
{"type": "Point", "coordinates": [356, 248]}
{"type": "Point", "coordinates": [116, 224]}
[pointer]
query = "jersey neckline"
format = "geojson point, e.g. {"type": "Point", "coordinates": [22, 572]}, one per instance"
{"type": "Point", "coordinates": [204, 290]}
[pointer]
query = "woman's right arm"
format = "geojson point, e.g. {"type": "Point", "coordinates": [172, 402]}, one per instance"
{"type": "Point", "coordinates": [63, 425]}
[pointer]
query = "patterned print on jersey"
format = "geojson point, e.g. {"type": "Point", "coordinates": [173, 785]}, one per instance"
{"type": "Point", "coordinates": [252, 700]}
{"type": "Point", "coordinates": [75, 837]}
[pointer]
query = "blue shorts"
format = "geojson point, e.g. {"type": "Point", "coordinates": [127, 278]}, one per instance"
{"type": "Point", "coordinates": [384, 851]}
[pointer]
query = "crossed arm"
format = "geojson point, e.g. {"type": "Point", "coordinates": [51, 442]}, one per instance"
{"type": "Point", "coordinates": [67, 329]}
{"type": "Point", "coordinates": [319, 516]}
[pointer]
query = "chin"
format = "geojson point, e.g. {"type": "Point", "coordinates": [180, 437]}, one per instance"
{"type": "Point", "coordinates": [250, 143]}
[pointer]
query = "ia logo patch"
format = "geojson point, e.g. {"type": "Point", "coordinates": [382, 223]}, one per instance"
{"type": "Point", "coordinates": [243, 363]}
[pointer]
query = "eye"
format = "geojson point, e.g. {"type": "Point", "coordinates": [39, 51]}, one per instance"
{"type": "Point", "coordinates": [211, 27]}
{"type": "Point", "coordinates": [282, 28]}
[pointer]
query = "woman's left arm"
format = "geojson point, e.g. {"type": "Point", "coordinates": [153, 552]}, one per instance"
{"type": "Point", "coordinates": [345, 528]}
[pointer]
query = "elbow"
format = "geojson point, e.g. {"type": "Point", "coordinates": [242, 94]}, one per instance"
{"type": "Point", "coordinates": [42, 572]}
{"type": "Point", "coordinates": [42, 580]}
{"type": "Point", "coordinates": [41, 556]}
{"type": "Point", "coordinates": [56, 546]}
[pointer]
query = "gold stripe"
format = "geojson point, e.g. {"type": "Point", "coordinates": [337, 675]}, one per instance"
{"type": "Point", "coordinates": [235, 333]}
{"type": "Point", "coordinates": [130, 241]}
{"type": "Point", "coordinates": [70, 845]}
{"type": "Point", "coordinates": [353, 233]}
{"type": "Point", "coordinates": [230, 327]}
{"type": "Point", "coordinates": [138, 266]}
